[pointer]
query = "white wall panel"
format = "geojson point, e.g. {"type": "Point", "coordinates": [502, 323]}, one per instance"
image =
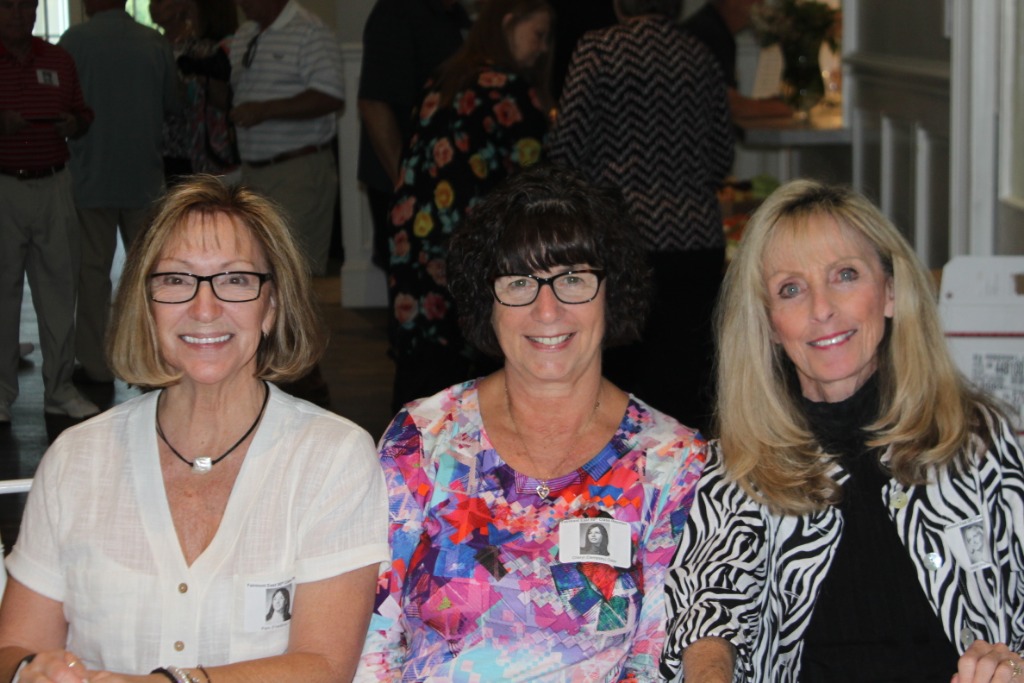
{"type": "Point", "coordinates": [362, 283]}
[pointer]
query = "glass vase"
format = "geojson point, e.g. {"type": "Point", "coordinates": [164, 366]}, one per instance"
{"type": "Point", "coordinates": [802, 84]}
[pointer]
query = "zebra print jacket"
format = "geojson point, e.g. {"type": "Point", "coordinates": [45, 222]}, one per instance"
{"type": "Point", "coordinates": [751, 577]}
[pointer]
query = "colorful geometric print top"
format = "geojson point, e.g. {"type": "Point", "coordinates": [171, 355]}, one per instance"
{"type": "Point", "coordinates": [458, 153]}
{"type": "Point", "coordinates": [477, 591]}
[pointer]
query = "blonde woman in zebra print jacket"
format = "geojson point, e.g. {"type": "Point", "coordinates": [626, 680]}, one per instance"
{"type": "Point", "coordinates": [863, 516]}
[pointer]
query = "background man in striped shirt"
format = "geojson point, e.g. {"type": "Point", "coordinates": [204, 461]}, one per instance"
{"type": "Point", "coordinates": [286, 75]}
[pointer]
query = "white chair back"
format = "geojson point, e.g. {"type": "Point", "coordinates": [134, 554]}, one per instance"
{"type": "Point", "coordinates": [14, 485]}
{"type": "Point", "coordinates": [10, 486]}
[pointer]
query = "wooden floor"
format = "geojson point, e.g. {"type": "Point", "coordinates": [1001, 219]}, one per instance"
{"type": "Point", "coordinates": [355, 366]}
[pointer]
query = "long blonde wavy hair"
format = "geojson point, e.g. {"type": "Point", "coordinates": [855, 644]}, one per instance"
{"type": "Point", "coordinates": [927, 409]}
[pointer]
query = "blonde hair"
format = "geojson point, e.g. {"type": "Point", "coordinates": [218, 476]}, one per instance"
{"type": "Point", "coordinates": [296, 340]}
{"type": "Point", "coordinates": [927, 409]}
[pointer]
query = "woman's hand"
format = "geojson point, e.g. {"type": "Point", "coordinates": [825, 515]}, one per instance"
{"type": "Point", "coordinates": [248, 114]}
{"type": "Point", "coordinates": [66, 125]}
{"type": "Point", "coordinates": [709, 660]}
{"type": "Point", "coordinates": [11, 122]}
{"type": "Point", "coordinates": [987, 663]}
{"type": "Point", "coordinates": [55, 666]}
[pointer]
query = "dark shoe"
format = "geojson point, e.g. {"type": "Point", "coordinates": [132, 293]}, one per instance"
{"type": "Point", "coordinates": [25, 349]}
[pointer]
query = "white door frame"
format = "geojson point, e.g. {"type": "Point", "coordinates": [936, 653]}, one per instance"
{"type": "Point", "coordinates": [975, 122]}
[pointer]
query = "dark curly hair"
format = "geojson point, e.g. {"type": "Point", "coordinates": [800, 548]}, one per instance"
{"type": "Point", "coordinates": [540, 219]}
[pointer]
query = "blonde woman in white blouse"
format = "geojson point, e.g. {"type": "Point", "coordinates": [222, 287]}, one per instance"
{"type": "Point", "coordinates": [155, 534]}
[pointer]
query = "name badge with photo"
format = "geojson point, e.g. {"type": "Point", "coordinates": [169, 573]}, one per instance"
{"type": "Point", "coordinates": [47, 77]}
{"type": "Point", "coordinates": [968, 541]}
{"type": "Point", "coordinates": [595, 539]}
{"type": "Point", "coordinates": [268, 605]}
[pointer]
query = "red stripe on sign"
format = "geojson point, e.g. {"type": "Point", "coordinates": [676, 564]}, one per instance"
{"type": "Point", "coordinates": [1000, 335]}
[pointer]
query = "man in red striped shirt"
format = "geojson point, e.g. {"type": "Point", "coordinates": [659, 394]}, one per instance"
{"type": "Point", "coordinates": [41, 105]}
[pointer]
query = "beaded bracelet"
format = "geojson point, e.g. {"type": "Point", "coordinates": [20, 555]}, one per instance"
{"type": "Point", "coordinates": [182, 676]}
{"type": "Point", "coordinates": [177, 675]}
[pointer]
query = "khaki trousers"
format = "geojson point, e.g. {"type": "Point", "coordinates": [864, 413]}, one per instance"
{"type": "Point", "coordinates": [39, 237]}
{"type": "Point", "coordinates": [306, 188]}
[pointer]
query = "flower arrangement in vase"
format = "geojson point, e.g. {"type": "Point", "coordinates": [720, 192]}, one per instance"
{"type": "Point", "coordinates": [799, 27]}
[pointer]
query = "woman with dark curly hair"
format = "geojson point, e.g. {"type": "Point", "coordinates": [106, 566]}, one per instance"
{"type": "Point", "coordinates": [492, 481]}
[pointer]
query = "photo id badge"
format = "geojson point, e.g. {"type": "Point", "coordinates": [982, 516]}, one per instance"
{"type": "Point", "coordinates": [595, 539]}
{"type": "Point", "coordinates": [968, 541]}
{"type": "Point", "coordinates": [268, 605]}
{"type": "Point", "coordinates": [47, 77]}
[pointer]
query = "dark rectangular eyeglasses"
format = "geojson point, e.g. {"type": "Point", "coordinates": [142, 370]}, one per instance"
{"type": "Point", "coordinates": [570, 287]}
{"type": "Point", "coordinates": [234, 286]}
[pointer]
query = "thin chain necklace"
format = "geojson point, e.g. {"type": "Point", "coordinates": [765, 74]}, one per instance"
{"type": "Point", "coordinates": [204, 464]}
{"type": "Point", "coordinates": [543, 488]}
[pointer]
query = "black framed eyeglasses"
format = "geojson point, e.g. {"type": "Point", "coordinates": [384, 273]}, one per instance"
{"type": "Point", "coordinates": [250, 51]}
{"type": "Point", "coordinates": [570, 287]}
{"type": "Point", "coordinates": [234, 286]}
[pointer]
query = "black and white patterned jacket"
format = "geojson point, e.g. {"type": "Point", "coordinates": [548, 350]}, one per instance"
{"type": "Point", "coordinates": [752, 577]}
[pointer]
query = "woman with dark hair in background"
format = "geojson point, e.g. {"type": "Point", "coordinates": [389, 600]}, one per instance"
{"type": "Point", "coordinates": [483, 117]}
{"type": "Point", "coordinates": [644, 108]}
{"type": "Point", "coordinates": [491, 480]}
{"type": "Point", "coordinates": [200, 139]}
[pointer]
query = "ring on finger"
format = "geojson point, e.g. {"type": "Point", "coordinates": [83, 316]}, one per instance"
{"type": "Point", "coordinates": [1015, 667]}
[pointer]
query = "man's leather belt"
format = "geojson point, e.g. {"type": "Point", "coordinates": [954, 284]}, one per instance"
{"type": "Point", "coordinates": [289, 155]}
{"type": "Point", "coordinates": [32, 173]}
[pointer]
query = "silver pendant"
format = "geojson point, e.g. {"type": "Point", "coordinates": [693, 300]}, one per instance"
{"type": "Point", "coordinates": [202, 465]}
{"type": "Point", "coordinates": [543, 490]}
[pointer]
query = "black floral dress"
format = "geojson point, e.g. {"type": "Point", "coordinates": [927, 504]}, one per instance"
{"type": "Point", "coordinates": [456, 155]}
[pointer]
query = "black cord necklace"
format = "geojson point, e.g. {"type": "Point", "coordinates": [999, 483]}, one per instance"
{"type": "Point", "coordinates": [204, 464]}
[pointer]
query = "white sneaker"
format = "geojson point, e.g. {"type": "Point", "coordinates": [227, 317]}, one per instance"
{"type": "Point", "coordinates": [77, 408]}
